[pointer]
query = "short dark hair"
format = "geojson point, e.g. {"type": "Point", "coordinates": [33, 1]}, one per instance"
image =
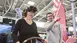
{"type": "Point", "coordinates": [30, 9]}
{"type": "Point", "coordinates": [48, 13]}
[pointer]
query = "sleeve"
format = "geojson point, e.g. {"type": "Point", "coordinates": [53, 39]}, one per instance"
{"type": "Point", "coordinates": [37, 34]}
{"type": "Point", "coordinates": [49, 26]}
{"type": "Point", "coordinates": [15, 31]}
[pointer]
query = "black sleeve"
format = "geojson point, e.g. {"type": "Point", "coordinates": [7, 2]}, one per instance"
{"type": "Point", "coordinates": [37, 34]}
{"type": "Point", "coordinates": [15, 31]}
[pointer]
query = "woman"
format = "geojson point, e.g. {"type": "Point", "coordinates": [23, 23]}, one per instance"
{"type": "Point", "coordinates": [25, 27]}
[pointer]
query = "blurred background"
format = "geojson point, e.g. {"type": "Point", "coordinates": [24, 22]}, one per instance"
{"type": "Point", "coordinates": [10, 10]}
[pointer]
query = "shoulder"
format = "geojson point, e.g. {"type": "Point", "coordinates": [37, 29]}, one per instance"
{"type": "Point", "coordinates": [46, 24]}
{"type": "Point", "coordinates": [34, 23]}
{"type": "Point", "coordinates": [19, 20]}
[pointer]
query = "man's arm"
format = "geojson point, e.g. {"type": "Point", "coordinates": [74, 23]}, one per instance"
{"type": "Point", "coordinates": [49, 26]}
{"type": "Point", "coordinates": [15, 31]}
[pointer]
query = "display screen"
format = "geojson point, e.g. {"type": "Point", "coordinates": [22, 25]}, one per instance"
{"type": "Point", "coordinates": [4, 28]}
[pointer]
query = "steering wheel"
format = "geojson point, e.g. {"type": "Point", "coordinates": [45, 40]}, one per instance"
{"type": "Point", "coordinates": [42, 40]}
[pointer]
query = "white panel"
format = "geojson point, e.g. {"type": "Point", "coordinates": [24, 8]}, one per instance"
{"type": "Point", "coordinates": [1, 19]}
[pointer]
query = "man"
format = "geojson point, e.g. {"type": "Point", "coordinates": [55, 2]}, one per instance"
{"type": "Point", "coordinates": [53, 29]}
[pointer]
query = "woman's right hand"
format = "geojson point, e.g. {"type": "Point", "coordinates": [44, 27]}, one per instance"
{"type": "Point", "coordinates": [17, 42]}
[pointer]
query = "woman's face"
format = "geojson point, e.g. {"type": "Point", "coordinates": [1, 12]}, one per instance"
{"type": "Point", "coordinates": [30, 15]}
{"type": "Point", "coordinates": [50, 17]}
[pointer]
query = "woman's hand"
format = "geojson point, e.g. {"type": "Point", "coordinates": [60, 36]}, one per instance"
{"type": "Point", "coordinates": [17, 42]}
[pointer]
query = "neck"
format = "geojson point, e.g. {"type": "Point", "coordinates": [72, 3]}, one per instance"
{"type": "Point", "coordinates": [49, 21]}
{"type": "Point", "coordinates": [28, 19]}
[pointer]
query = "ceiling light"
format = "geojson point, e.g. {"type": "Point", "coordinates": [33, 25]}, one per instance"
{"type": "Point", "coordinates": [31, 3]}
{"type": "Point", "coordinates": [70, 28]}
{"type": "Point", "coordinates": [1, 19]}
